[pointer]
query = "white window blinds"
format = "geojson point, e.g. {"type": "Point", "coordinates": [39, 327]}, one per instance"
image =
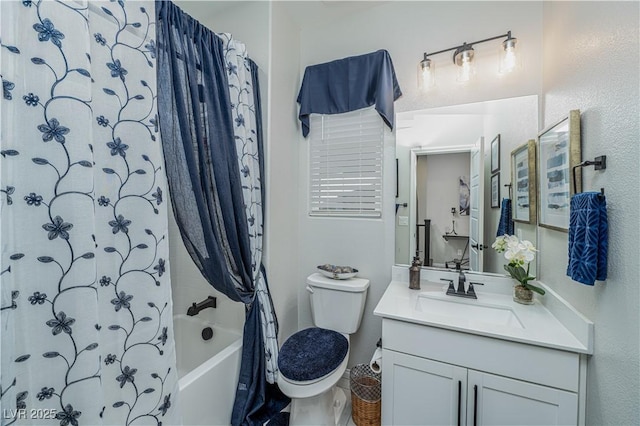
{"type": "Point", "coordinates": [346, 155]}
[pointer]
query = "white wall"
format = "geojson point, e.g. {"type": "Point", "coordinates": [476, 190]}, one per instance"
{"type": "Point", "coordinates": [591, 63]}
{"type": "Point", "coordinates": [406, 30]}
{"type": "Point", "coordinates": [282, 234]}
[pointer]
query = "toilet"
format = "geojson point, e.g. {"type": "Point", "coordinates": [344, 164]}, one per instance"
{"type": "Point", "coordinates": [312, 360]}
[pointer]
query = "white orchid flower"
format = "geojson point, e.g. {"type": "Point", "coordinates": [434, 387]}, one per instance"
{"type": "Point", "coordinates": [517, 252]}
{"type": "Point", "coordinates": [500, 244]}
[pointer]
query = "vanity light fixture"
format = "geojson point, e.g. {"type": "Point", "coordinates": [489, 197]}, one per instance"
{"type": "Point", "coordinates": [463, 57]}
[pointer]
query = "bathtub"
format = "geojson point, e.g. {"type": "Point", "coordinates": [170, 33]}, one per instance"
{"type": "Point", "coordinates": [207, 369]}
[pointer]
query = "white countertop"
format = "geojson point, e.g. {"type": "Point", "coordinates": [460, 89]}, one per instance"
{"type": "Point", "coordinates": [537, 324]}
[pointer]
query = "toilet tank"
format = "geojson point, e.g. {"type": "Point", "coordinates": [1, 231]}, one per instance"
{"type": "Point", "coordinates": [337, 304]}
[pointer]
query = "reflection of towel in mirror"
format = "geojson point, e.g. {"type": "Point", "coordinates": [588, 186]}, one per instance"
{"type": "Point", "coordinates": [505, 226]}
{"type": "Point", "coordinates": [588, 238]}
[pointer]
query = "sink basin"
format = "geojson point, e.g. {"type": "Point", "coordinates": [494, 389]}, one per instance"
{"type": "Point", "coordinates": [467, 309]}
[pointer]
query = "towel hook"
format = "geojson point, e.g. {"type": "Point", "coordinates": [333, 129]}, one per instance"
{"type": "Point", "coordinates": [509, 185]}
{"type": "Point", "coordinates": [599, 163]}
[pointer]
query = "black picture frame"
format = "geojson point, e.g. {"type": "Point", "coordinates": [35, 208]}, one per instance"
{"type": "Point", "coordinates": [495, 191]}
{"type": "Point", "coordinates": [397, 179]}
{"type": "Point", "coordinates": [495, 154]}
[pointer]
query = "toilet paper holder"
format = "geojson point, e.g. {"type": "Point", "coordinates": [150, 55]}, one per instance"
{"type": "Point", "coordinates": [376, 360]}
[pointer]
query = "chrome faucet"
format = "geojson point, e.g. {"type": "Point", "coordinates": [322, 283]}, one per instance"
{"type": "Point", "coordinates": [195, 308]}
{"type": "Point", "coordinates": [460, 292]}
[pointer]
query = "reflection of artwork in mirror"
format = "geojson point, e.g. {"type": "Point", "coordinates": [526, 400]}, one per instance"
{"type": "Point", "coordinates": [523, 176]}
{"type": "Point", "coordinates": [559, 148]}
{"type": "Point", "coordinates": [495, 191]}
{"type": "Point", "coordinates": [464, 196]}
{"type": "Point", "coordinates": [495, 154]}
{"type": "Point", "coordinates": [397, 180]}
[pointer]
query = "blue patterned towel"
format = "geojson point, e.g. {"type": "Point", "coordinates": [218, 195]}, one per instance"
{"type": "Point", "coordinates": [588, 238]}
{"type": "Point", "coordinates": [505, 226]}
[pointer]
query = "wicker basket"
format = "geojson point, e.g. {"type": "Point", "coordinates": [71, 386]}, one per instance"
{"type": "Point", "coordinates": [365, 396]}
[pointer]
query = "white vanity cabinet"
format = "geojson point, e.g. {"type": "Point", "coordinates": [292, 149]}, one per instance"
{"type": "Point", "coordinates": [434, 376]}
{"type": "Point", "coordinates": [419, 391]}
{"type": "Point", "coordinates": [496, 400]}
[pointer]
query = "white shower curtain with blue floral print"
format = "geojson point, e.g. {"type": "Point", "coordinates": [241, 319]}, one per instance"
{"type": "Point", "coordinates": [248, 152]}
{"type": "Point", "coordinates": [86, 333]}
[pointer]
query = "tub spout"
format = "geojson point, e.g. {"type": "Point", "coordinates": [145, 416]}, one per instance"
{"type": "Point", "coordinates": [195, 308]}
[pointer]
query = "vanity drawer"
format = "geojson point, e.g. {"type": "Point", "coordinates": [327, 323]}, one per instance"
{"type": "Point", "coordinates": [536, 364]}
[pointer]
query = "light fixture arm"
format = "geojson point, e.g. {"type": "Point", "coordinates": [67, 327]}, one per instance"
{"type": "Point", "coordinates": [468, 45]}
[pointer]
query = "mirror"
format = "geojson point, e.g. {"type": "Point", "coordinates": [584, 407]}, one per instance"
{"type": "Point", "coordinates": [435, 153]}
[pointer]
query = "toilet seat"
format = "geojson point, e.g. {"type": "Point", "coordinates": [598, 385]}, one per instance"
{"type": "Point", "coordinates": [311, 361]}
{"type": "Point", "coordinates": [312, 354]}
{"type": "Point", "coordinates": [295, 389]}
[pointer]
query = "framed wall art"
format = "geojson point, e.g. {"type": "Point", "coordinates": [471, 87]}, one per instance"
{"type": "Point", "coordinates": [495, 154]}
{"type": "Point", "coordinates": [465, 194]}
{"type": "Point", "coordinates": [523, 178]}
{"type": "Point", "coordinates": [558, 153]}
{"type": "Point", "coordinates": [495, 191]}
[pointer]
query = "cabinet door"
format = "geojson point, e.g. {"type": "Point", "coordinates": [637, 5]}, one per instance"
{"type": "Point", "coordinates": [418, 391]}
{"type": "Point", "coordinates": [495, 400]}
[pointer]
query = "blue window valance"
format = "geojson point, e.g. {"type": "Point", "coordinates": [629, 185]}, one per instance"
{"type": "Point", "coordinates": [349, 84]}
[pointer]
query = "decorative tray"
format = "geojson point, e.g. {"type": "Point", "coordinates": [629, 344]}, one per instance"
{"type": "Point", "coordinates": [337, 272]}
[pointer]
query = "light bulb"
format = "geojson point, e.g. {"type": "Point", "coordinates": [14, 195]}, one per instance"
{"type": "Point", "coordinates": [508, 57]}
{"type": "Point", "coordinates": [466, 69]}
{"type": "Point", "coordinates": [466, 66]}
{"type": "Point", "coordinates": [465, 72]}
{"type": "Point", "coordinates": [426, 74]}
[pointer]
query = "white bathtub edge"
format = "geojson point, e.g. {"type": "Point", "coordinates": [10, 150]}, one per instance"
{"type": "Point", "coordinates": [197, 372]}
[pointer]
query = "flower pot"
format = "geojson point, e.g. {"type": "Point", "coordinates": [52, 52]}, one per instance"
{"type": "Point", "coordinates": [523, 295]}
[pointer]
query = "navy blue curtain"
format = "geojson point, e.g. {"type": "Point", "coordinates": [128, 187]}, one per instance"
{"type": "Point", "coordinates": [204, 180]}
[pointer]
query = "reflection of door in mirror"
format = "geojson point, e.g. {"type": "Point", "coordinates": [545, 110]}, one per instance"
{"type": "Point", "coordinates": [447, 129]}
{"type": "Point", "coordinates": [443, 198]}
{"type": "Point", "coordinates": [476, 231]}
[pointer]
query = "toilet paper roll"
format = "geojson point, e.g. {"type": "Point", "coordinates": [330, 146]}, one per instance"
{"type": "Point", "coordinates": [376, 361]}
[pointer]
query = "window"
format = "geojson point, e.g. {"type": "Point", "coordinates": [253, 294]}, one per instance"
{"type": "Point", "coordinates": [346, 155]}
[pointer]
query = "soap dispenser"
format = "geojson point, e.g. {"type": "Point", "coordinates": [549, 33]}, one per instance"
{"type": "Point", "coordinates": [414, 273]}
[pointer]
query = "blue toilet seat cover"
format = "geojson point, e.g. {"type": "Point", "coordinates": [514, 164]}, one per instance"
{"type": "Point", "coordinates": [312, 353]}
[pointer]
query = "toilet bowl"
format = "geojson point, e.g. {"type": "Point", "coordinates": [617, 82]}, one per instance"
{"type": "Point", "coordinates": [312, 361]}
